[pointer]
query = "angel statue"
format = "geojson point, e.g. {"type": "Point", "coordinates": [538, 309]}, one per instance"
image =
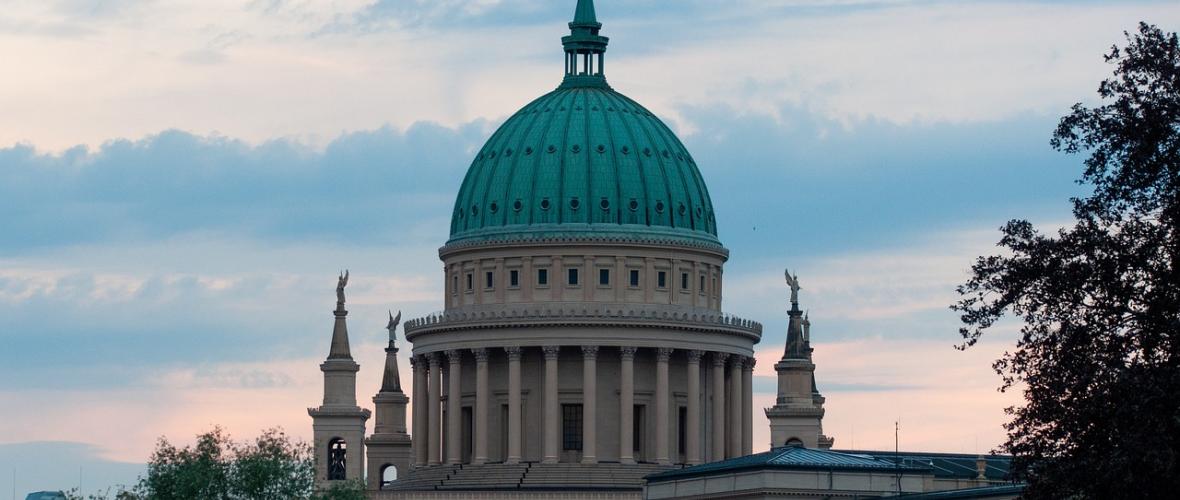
{"type": "Point", "coordinates": [340, 284]}
{"type": "Point", "coordinates": [392, 326]}
{"type": "Point", "coordinates": [793, 282]}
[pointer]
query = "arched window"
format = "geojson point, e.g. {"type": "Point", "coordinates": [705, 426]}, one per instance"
{"type": "Point", "coordinates": [337, 459]}
{"type": "Point", "coordinates": [795, 442]}
{"type": "Point", "coordinates": [388, 475]}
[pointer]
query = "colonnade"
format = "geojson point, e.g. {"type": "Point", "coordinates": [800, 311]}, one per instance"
{"type": "Point", "coordinates": [729, 417]}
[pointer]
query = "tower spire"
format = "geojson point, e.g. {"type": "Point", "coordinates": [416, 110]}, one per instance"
{"type": "Point", "coordinates": [584, 49]}
{"type": "Point", "coordinates": [340, 349]}
{"type": "Point", "coordinates": [338, 425]}
{"type": "Point", "coordinates": [797, 416]}
{"type": "Point", "coordinates": [389, 445]}
{"type": "Point", "coordinates": [390, 380]}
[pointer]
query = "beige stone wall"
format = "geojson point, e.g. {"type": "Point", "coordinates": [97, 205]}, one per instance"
{"type": "Point", "coordinates": [692, 278]}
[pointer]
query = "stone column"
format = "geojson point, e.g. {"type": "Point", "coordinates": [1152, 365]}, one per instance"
{"type": "Point", "coordinates": [735, 407]}
{"type": "Point", "coordinates": [481, 406]}
{"type": "Point", "coordinates": [434, 448]}
{"type": "Point", "coordinates": [663, 425]}
{"type": "Point", "coordinates": [748, 406]}
{"type": "Point", "coordinates": [513, 455]}
{"type": "Point", "coordinates": [692, 433]}
{"type": "Point", "coordinates": [627, 405]}
{"type": "Point", "coordinates": [552, 409]}
{"type": "Point", "coordinates": [454, 408]}
{"type": "Point", "coordinates": [589, 404]}
{"type": "Point", "coordinates": [718, 431]}
{"type": "Point", "coordinates": [420, 408]}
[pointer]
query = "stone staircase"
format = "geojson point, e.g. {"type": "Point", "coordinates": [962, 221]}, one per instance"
{"type": "Point", "coordinates": [598, 476]}
{"type": "Point", "coordinates": [486, 477]}
{"type": "Point", "coordinates": [426, 478]}
{"type": "Point", "coordinates": [528, 476]}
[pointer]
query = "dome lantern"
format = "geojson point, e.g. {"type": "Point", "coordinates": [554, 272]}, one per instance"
{"type": "Point", "coordinates": [584, 49]}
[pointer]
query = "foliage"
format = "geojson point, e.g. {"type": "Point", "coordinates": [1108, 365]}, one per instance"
{"type": "Point", "coordinates": [347, 490]}
{"type": "Point", "coordinates": [272, 467]}
{"type": "Point", "coordinates": [121, 493]}
{"type": "Point", "coordinates": [1098, 358]}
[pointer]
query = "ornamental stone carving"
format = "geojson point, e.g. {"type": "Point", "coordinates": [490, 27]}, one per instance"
{"type": "Point", "coordinates": [663, 354]}
{"type": "Point", "coordinates": [551, 352]}
{"type": "Point", "coordinates": [628, 352]}
{"type": "Point", "coordinates": [481, 355]}
{"type": "Point", "coordinates": [514, 353]}
{"type": "Point", "coordinates": [590, 352]}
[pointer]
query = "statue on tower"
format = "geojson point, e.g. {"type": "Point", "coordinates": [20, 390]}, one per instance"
{"type": "Point", "coordinates": [392, 326]}
{"type": "Point", "coordinates": [340, 284]}
{"type": "Point", "coordinates": [793, 282]}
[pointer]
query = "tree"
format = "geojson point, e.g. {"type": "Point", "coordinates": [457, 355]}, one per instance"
{"type": "Point", "coordinates": [271, 467]}
{"type": "Point", "coordinates": [1098, 358]}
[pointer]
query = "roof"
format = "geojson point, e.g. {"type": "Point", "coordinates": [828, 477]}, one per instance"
{"type": "Point", "coordinates": [946, 465]}
{"type": "Point", "coordinates": [790, 458]}
{"type": "Point", "coordinates": [583, 161]}
{"type": "Point", "coordinates": [1004, 490]}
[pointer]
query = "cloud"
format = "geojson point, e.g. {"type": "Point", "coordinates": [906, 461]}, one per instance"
{"type": "Point", "coordinates": [58, 465]}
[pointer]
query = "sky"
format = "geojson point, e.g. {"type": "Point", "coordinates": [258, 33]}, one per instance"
{"type": "Point", "coordinates": [182, 180]}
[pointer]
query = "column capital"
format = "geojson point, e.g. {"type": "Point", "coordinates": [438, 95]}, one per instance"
{"type": "Point", "coordinates": [590, 351]}
{"type": "Point", "coordinates": [481, 354]}
{"type": "Point", "coordinates": [435, 360]}
{"type": "Point", "coordinates": [514, 352]}
{"type": "Point", "coordinates": [551, 352]}
{"type": "Point", "coordinates": [413, 362]}
{"type": "Point", "coordinates": [719, 358]}
{"type": "Point", "coordinates": [749, 365]}
{"type": "Point", "coordinates": [454, 356]}
{"type": "Point", "coordinates": [694, 356]}
{"type": "Point", "coordinates": [628, 352]}
{"type": "Point", "coordinates": [663, 354]}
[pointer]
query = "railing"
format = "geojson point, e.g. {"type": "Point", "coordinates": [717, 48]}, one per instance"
{"type": "Point", "coordinates": [562, 312]}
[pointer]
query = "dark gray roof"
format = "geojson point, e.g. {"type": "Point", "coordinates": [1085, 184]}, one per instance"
{"type": "Point", "coordinates": [46, 495]}
{"type": "Point", "coordinates": [1004, 490]}
{"type": "Point", "coordinates": [945, 465]}
{"type": "Point", "coordinates": [791, 457]}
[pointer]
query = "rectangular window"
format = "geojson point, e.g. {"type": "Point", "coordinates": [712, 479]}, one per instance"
{"type": "Point", "coordinates": [684, 281]}
{"type": "Point", "coordinates": [604, 277]}
{"type": "Point", "coordinates": [635, 277]}
{"type": "Point", "coordinates": [571, 427]}
{"type": "Point", "coordinates": [489, 280]}
{"type": "Point", "coordinates": [542, 277]}
{"type": "Point", "coordinates": [513, 278]}
{"type": "Point", "coordinates": [470, 282]}
{"type": "Point", "coordinates": [573, 276]}
{"type": "Point", "coordinates": [702, 289]}
{"type": "Point", "coordinates": [661, 280]}
{"type": "Point", "coordinates": [682, 427]}
{"type": "Point", "coordinates": [637, 431]}
{"type": "Point", "coordinates": [455, 284]}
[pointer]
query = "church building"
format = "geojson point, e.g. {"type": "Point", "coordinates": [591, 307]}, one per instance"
{"type": "Point", "coordinates": [583, 350]}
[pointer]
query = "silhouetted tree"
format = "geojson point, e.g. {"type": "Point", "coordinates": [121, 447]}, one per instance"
{"type": "Point", "coordinates": [1098, 358]}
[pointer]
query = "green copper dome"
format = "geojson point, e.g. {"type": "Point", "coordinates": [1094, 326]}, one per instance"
{"type": "Point", "coordinates": [583, 161]}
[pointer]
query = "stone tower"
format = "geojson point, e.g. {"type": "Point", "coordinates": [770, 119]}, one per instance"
{"type": "Point", "coordinates": [338, 425]}
{"type": "Point", "coordinates": [798, 413]}
{"type": "Point", "coordinates": [389, 447]}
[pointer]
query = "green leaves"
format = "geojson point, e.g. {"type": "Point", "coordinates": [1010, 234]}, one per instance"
{"type": "Point", "coordinates": [271, 467]}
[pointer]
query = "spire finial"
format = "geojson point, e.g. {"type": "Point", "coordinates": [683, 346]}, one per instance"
{"type": "Point", "coordinates": [584, 49]}
{"type": "Point", "coordinates": [584, 14]}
